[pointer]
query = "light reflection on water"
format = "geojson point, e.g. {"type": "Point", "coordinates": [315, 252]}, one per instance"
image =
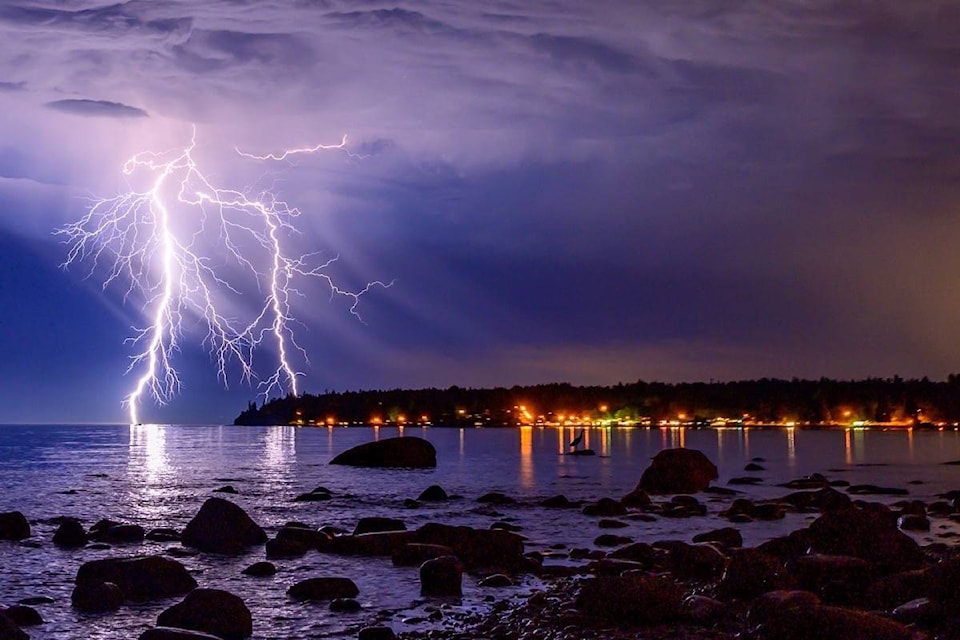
{"type": "Point", "coordinates": [159, 475]}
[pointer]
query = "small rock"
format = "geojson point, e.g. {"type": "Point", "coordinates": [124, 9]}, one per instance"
{"type": "Point", "coordinates": [23, 615]}
{"type": "Point", "coordinates": [497, 580]}
{"type": "Point", "coordinates": [323, 589]}
{"type": "Point", "coordinates": [441, 577]}
{"type": "Point", "coordinates": [376, 633]}
{"type": "Point", "coordinates": [96, 597]}
{"type": "Point", "coordinates": [260, 569]}
{"type": "Point", "coordinates": [607, 523]}
{"type": "Point", "coordinates": [726, 537]}
{"type": "Point", "coordinates": [226, 489]}
{"type": "Point", "coordinates": [70, 535]}
{"type": "Point", "coordinates": [378, 525]}
{"type": "Point", "coordinates": [496, 497]}
{"type": "Point", "coordinates": [433, 493]}
{"type": "Point", "coordinates": [345, 605]}
{"type": "Point", "coordinates": [14, 526]}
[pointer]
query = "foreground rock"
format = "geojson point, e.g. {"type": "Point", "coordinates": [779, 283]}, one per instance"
{"type": "Point", "coordinates": [633, 598]}
{"type": "Point", "coordinates": [323, 589]}
{"type": "Point", "coordinates": [138, 579]}
{"type": "Point", "coordinates": [441, 577]}
{"type": "Point", "coordinates": [222, 527]}
{"type": "Point", "coordinates": [10, 631]}
{"type": "Point", "coordinates": [404, 452]}
{"type": "Point", "coordinates": [678, 471]}
{"type": "Point", "coordinates": [213, 611]}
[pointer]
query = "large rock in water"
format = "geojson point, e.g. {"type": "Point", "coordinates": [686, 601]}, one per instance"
{"type": "Point", "coordinates": [10, 631]}
{"type": "Point", "coordinates": [868, 532]}
{"type": "Point", "coordinates": [222, 527]}
{"type": "Point", "coordinates": [405, 452]}
{"type": "Point", "coordinates": [678, 471]}
{"type": "Point", "coordinates": [140, 579]}
{"type": "Point", "coordinates": [212, 611]}
{"type": "Point", "coordinates": [14, 526]}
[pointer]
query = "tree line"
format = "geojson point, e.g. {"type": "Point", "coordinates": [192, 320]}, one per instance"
{"type": "Point", "coordinates": [823, 401]}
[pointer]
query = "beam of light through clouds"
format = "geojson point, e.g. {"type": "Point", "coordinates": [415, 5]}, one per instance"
{"type": "Point", "coordinates": [173, 244]}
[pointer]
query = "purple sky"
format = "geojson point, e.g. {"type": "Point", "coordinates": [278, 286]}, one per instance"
{"type": "Point", "coordinates": [588, 192]}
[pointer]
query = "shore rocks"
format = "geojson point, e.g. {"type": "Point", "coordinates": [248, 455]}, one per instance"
{"type": "Point", "coordinates": [378, 525]}
{"type": "Point", "coordinates": [415, 554]}
{"type": "Point", "coordinates": [260, 569]}
{"type": "Point", "coordinates": [752, 572]}
{"type": "Point", "coordinates": [819, 622]}
{"type": "Point", "coordinates": [441, 577]}
{"type": "Point", "coordinates": [10, 631]}
{"type": "Point", "coordinates": [632, 598]}
{"type": "Point", "coordinates": [487, 548]}
{"type": "Point", "coordinates": [212, 611]}
{"type": "Point", "coordinates": [118, 534]}
{"type": "Point", "coordinates": [139, 579]}
{"type": "Point", "coordinates": [678, 471]}
{"type": "Point", "coordinates": [14, 526]}
{"type": "Point", "coordinates": [407, 452]}
{"type": "Point", "coordinates": [868, 532]}
{"type": "Point", "coordinates": [727, 537]}
{"type": "Point", "coordinates": [222, 527]}
{"type": "Point", "coordinates": [96, 597]}
{"type": "Point", "coordinates": [22, 615]}
{"type": "Point", "coordinates": [323, 589]}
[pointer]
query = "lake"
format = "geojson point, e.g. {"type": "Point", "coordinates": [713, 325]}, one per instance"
{"type": "Point", "coordinates": [158, 476]}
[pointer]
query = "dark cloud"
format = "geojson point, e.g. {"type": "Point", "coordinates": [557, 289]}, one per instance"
{"type": "Point", "coordinates": [208, 51]}
{"type": "Point", "coordinates": [12, 86]}
{"type": "Point", "coordinates": [117, 18]}
{"type": "Point", "coordinates": [97, 108]}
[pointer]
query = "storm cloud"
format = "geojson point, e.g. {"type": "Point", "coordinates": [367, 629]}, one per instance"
{"type": "Point", "coordinates": [590, 192]}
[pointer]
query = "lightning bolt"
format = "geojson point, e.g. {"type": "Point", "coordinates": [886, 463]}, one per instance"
{"type": "Point", "coordinates": [171, 244]}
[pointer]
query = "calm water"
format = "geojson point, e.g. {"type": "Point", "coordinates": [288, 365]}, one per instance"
{"type": "Point", "coordinates": [160, 475]}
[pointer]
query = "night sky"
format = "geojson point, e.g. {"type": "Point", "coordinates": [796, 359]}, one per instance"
{"type": "Point", "coordinates": [589, 192]}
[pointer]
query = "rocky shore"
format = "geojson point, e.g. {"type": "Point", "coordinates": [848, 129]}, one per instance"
{"type": "Point", "coordinates": [854, 572]}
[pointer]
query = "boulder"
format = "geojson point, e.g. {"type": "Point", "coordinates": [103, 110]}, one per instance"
{"type": "Point", "coordinates": [260, 569]}
{"type": "Point", "coordinates": [345, 605]}
{"type": "Point", "coordinates": [415, 554]}
{"type": "Point", "coordinates": [770, 604]}
{"type": "Point", "coordinates": [726, 537]}
{"type": "Point", "coordinates": [378, 525]}
{"type": "Point", "coordinates": [323, 589]}
{"type": "Point", "coordinates": [433, 493]}
{"type": "Point", "coordinates": [14, 526]}
{"type": "Point", "coordinates": [10, 631]}
{"type": "Point", "coordinates": [139, 579]}
{"type": "Point", "coordinates": [96, 597]}
{"type": "Point", "coordinates": [163, 534]}
{"type": "Point", "coordinates": [476, 548]}
{"type": "Point", "coordinates": [696, 561]}
{"type": "Point", "coordinates": [819, 622]}
{"type": "Point", "coordinates": [441, 577]}
{"type": "Point", "coordinates": [890, 591]}
{"type": "Point", "coordinates": [222, 527]}
{"type": "Point", "coordinates": [631, 598]}
{"type": "Point", "coordinates": [703, 610]}
{"type": "Point", "coordinates": [636, 499]}
{"type": "Point", "coordinates": [678, 471]}
{"type": "Point", "coordinates": [840, 580]}
{"type": "Point", "coordinates": [557, 502]}
{"type": "Point", "coordinates": [496, 497]}
{"type": "Point", "coordinates": [605, 508]}
{"type": "Point", "coordinates": [497, 580]}
{"type": "Point", "coordinates": [70, 535]}
{"type": "Point", "coordinates": [868, 532]}
{"type": "Point", "coordinates": [637, 552]}
{"type": "Point", "coordinates": [368, 544]}
{"type": "Point", "coordinates": [212, 611]}
{"type": "Point", "coordinates": [752, 572]}
{"type": "Point", "coordinates": [119, 534]}
{"type": "Point", "coordinates": [403, 452]}
{"type": "Point", "coordinates": [168, 633]}
{"type": "Point", "coordinates": [23, 615]}
{"type": "Point", "coordinates": [376, 633]}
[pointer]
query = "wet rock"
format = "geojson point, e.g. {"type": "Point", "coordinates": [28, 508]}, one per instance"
{"type": "Point", "coordinates": [744, 480]}
{"type": "Point", "coordinates": [139, 579]}
{"type": "Point", "coordinates": [768, 511]}
{"type": "Point", "coordinates": [35, 600]}
{"type": "Point", "coordinates": [874, 490]}
{"type": "Point", "coordinates": [753, 466]}
{"type": "Point", "coordinates": [788, 547]}
{"type": "Point", "coordinates": [376, 633]}
{"type": "Point", "coordinates": [415, 554]}
{"type": "Point", "coordinates": [119, 534]}
{"type": "Point", "coordinates": [636, 499]}
{"type": "Point", "coordinates": [169, 633]}
{"type": "Point", "coordinates": [702, 610]}
{"type": "Point", "coordinates": [771, 604]}
{"type": "Point", "coordinates": [696, 561]}
{"type": "Point", "coordinates": [607, 523]}
{"type": "Point", "coordinates": [920, 610]}
{"type": "Point", "coordinates": [678, 471]}
{"type": "Point", "coordinates": [497, 580]}
{"type": "Point", "coordinates": [819, 622]}
{"type": "Point", "coordinates": [557, 502]}
{"type": "Point", "coordinates": [637, 552]}
{"type": "Point", "coordinates": [14, 526]}
{"type": "Point", "coordinates": [323, 589]}
{"type": "Point", "coordinates": [611, 540]}
{"type": "Point", "coordinates": [403, 452]}
{"type": "Point", "coordinates": [605, 508]}
{"type": "Point", "coordinates": [892, 590]}
{"type": "Point", "coordinates": [214, 611]}
{"type": "Point", "coordinates": [23, 615]}
{"type": "Point", "coordinates": [163, 534]}
{"type": "Point", "coordinates": [96, 597]}
{"type": "Point", "coordinates": [226, 489]}
{"type": "Point", "coordinates": [944, 587]}
{"type": "Point", "coordinates": [813, 481]}
{"type": "Point", "coordinates": [378, 525]}
{"type": "Point", "coordinates": [222, 527]}
{"type": "Point", "coordinates": [70, 535]}
{"type": "Point", "coordinates": [441, 576]}
{"type": "Point", "coordinates": [320, 494]}
{"type": "Point", "coordinates": [477, 548]}
{"type": "Point", "coordinates": [727, 537]}
{"type": "Point", "coordinates": [260, 569]}
{"type": "Point", "coordinates": [345, 605]}
{"type": "Point", "coordinates": [278, 548]}
{"type": "Point", "coordinates": [496, 497]}
{"type": "Point", "coordinates": [178, 552]}
{"type": "Point", "coordinates": [632, 598]}
{"type": "Point", "coordinates": [368, 544]}
{"type": "Point", "coordinates": [10, 631]}
{"type": "Point", "coordinates": [841, 580]}
{"type": "Point", "coordinates": [868, 532]}
{"type": "Point", "coordinates": [752, 572]}
{"type": "Point", "coordinates": [582, 452]}
{"type": "Point", "coordinates": [433, 493]}
{"type": "Point", "coordinates": [410, 503]}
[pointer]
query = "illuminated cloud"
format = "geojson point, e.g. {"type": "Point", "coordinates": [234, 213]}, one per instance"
{"type": "Point", "coordinates": [97, 108]}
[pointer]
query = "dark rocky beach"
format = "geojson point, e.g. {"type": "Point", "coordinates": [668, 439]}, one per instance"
{"type": "Point", "coordinates": [853, 568]}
